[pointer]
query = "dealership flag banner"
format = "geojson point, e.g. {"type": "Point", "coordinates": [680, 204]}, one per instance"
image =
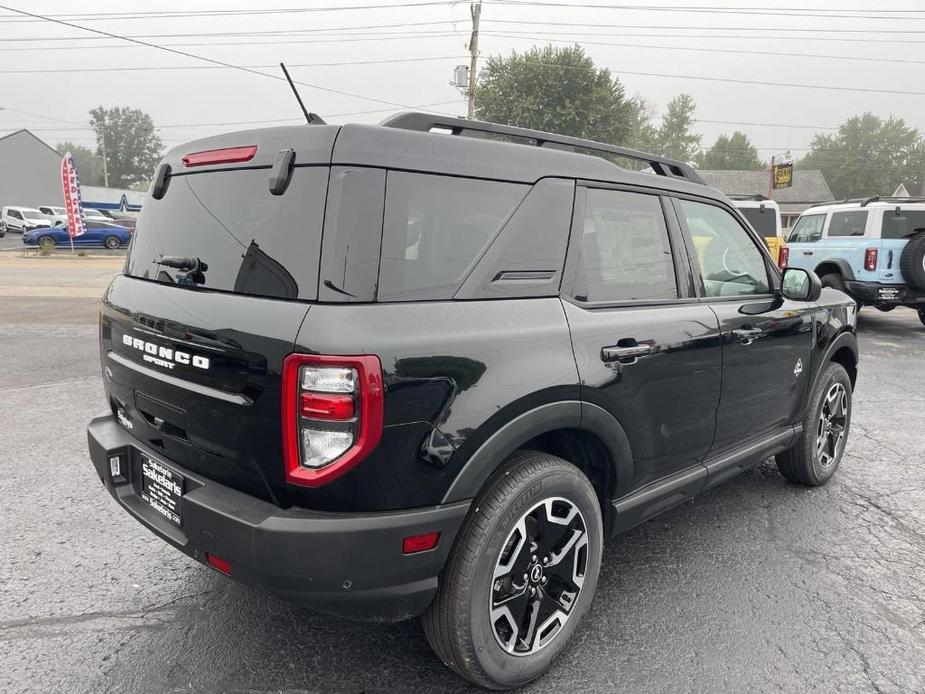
{"type": "Point", "coordinates": [782, 174]}
{"type": "Point", "coordinates": [76, 224]}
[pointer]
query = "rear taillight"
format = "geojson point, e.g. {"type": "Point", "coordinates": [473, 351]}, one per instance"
{"type": "Point", "coordinates": [783, 257]}
{"type": "Point", "coordinates": [870, 259]}
{"type": "Point", "coordinates": [229, 155]}
{"type": "Point", "coordinates": [332, 415]}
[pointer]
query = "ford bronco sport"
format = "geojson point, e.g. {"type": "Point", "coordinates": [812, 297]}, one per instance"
{"type": "Point", "coordinates": [414, 369]}
{"type": "Point", "coordinates": [872, 249]}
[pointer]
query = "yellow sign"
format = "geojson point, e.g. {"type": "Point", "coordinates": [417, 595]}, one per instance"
{"type": "Point", "coordinates": [782, 175]}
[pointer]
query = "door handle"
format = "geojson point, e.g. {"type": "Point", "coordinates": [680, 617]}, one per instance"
{"type": "Point", "coordinates": [747, 335]}
{"type": "Point", "coordinates": [807, 252]}
{"type": "Point", "coordinates": [625, 351]}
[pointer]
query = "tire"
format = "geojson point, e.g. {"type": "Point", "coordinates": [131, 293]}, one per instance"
{"type": "Point", "coordinates": [807, 462]}
{"type": "Point", "coordinates": [112, 242]}
{"type": "Point", "coordinates": [912, 261]}
{"type": "Point", "coordinates": [886, 308]}
{"type": "Point", "coordinates": [922, 315]}
{"type": "Point", "coordinates": [46, 242]}
{"type": "Point", "coordinates": [836, 281]}
{"type": "Point", "coordinates": [500, 534]}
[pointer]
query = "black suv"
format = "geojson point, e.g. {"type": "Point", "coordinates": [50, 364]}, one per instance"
{"type": "Point", "coordinates": [426, 367]}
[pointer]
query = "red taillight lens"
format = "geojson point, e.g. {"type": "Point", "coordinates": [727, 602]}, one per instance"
{"type": "Point", "coordinates": [326, 406]}
{"type": "Point", "coordinates": [332, 415]}
{"type": "Point", "coordinates": [229, 155]}
{"type": "Point", "coordinates": [419, 543]}
{"type": "Point", "coordinates": [783, 257]}
{"type": "Point", "coordinates": [218, 563]}
{"type": "Point", "coordinates": [870, 259]}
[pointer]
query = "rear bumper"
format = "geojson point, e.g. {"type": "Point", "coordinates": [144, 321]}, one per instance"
{"type": "Point", "coordinates": [346, 564]}
{"type": "Point", "coordinates": [885, 294]}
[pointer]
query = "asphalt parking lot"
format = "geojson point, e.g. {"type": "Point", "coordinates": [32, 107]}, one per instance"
{"type": "Point", "coordinates": [757, 586]}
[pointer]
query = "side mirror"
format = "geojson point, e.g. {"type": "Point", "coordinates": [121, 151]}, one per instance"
{"type": "Point", "coordinates": [800, 285]}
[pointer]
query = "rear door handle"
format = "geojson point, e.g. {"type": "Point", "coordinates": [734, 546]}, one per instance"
{"type": "Point", "coordinates": [807, 252]}
{"type": "Point", "coordinates": [625, 351]}
{"type": "Point", "coordinates": [747, 335]}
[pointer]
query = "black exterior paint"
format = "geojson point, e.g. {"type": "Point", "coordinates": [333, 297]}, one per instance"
{"type": "Point", "coordinates": [471, 379]}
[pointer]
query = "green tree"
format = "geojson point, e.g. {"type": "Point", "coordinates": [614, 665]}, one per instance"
{"type": "Point", "coordinates": [89, 165]}
{"type": "Point", "coordinates": [868, 156]}
{"type": "Point", "coordinates": [674, 137]}
{"type": "Point", "coordinates": [732, 153]}
{"type": "Point", "coordinates": [132, 146]}
{"type": "Point", "coordinates": [557, 90]}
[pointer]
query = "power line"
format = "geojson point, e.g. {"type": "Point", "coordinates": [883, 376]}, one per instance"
{"type": "Point", "coordinates": [199, 57]}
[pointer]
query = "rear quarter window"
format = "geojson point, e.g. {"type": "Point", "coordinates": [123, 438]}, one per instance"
{"type": "Point", "coordinates": [903, 225]}
{"type": "Point", "coordinates": [435, 228]}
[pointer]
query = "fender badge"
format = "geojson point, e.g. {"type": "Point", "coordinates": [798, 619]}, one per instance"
{"type": "Point", "coordinates": [798, 369]}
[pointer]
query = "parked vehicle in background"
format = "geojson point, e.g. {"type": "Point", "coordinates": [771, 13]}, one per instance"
{"type": "Point", "coordinates": [22, 219]}
{"type": "Point", "coordinates": [387, 372]}
{"type": "Point", "coordinates": [764, 216]}
{"type": "Point", "coordinates": [95, 216]}
{"type": "Point", "coordinates": [120, 218]}
{"type": "Point", "coordinates": [872, 248]}
{"type": "Point", "coordinates": [108, 236]}
{"type": "Point", "coordinates": [56, 215]}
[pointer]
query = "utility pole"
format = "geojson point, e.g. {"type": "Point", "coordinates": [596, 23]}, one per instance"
{"type": "Point", "coordinates": [476, 10]}
{"type": "Point", "coordinates": [103, 148]}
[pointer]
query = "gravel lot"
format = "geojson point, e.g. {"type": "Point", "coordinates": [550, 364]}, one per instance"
{"type": "Point", "coordinates": [757, 586]}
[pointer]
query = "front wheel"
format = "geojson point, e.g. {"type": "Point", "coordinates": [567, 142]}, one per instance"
{"type": "Point", "coordinates": [521, 574]}
{"type": "Point", "coordinates": [813, 459]}
{"type": "Point", "coordinates": [46, 242]}
{"type": "Point", "coordinates": [112, 242]}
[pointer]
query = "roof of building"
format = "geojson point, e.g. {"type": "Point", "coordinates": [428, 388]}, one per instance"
{"type": "Point", "coordinates": [809, 186]}
{"type": "Point", "coordinates": [32, 135]}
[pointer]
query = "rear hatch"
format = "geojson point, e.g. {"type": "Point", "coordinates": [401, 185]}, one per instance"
{"type": "Point", "coordinates": [220, 275]}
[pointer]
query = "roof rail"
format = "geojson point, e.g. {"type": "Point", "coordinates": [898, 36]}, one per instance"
{"type": "Point", "coordinates": [747, 196]}
{"type": "Point", "coordinates": [427, 122]}
{"type": "Point", "coordinates": [890, 198]}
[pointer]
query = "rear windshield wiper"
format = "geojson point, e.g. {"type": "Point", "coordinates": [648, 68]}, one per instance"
{"type": "Point", "coordinates": [194, 267]}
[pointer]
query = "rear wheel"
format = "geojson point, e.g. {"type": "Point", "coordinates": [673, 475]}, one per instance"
{"type": "Point", "coordinates": [836, 281]}
{"type": "Point", "coordinates": [46, 242]}
{"type": "Point", "coordinates": [886, 308]}
{"type": "Point", "coordinates": [112, 242]}
{"type": "Point", "coordinates": [521, 575]}
{"type": "Point", "coordinates": [816, 455]}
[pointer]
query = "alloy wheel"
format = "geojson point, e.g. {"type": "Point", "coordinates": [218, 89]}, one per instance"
{"type": "Point", "coordinates": [538, 576]}
{"type": "Point", "coordinates": [832, 425]}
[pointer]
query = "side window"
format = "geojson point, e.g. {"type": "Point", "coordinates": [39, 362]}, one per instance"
{"type": "Point", "coordinates": [848, 223]}
{"type": "Point", "coordinates": [902, 225]}
{"type": "Point", "coordinates": [808, 229]}
{"type": "Point", "coordinates": [624, 254]}
{"type": "Point", "coordinates": [730, 262]}
{"type": "Point", "coordinates": [15, 214]}
{"type": "Point", "coordinates": [435, 228]}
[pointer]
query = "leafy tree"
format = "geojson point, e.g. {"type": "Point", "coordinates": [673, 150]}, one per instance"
{"type": "Point", "coordinates": [674, 137]}
{"type": "Point", "coordinates": [132, 147]}
{"type": "Point", "coordinates": [558, 90]}
{"type": "Point", "coordinates": [868, 156]}
{"type": "Point", "coordinates": [731, 152]}
{"type": "Point", "coordinates": [89, 165]}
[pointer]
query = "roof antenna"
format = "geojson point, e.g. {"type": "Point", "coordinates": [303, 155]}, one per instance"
{"type": "Point", "coordinates": [311, 118]}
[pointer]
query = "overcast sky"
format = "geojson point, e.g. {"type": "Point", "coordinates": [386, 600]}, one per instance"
{"type": "Point", "coordinates": [44, 74]}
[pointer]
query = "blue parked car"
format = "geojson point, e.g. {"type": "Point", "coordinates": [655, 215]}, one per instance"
{"type": "Point", "coordinates": [872, 249]}
{"type": "Point", "coordinates": [106, 235]}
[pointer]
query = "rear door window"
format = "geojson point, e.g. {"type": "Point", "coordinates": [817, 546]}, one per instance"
{"type": "Point", "coordinates": [903, 225]}
{"type": "Point", "coordinates": [808, 229]}
{"type": "Point", "coordinates": [850, 223]}
{"type": "Point", "coordinates": [624, 254]}
{"type": "Point", "coordinates": [763, 221]}
{"type": "Point", "coordinates": [251, 242]}
{"type": "Point", "coordinates": [435, 228]}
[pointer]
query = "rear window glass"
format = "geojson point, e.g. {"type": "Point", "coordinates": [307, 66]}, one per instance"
{"type": "Point", "coordinates": [848, 223]}
{"type": "Point", "coordinates": [251, 241]}
{"type": "Point", "coordinates": [435, 228]}
{"type": "Point", "coordinates": [902, 225]}
{"type": "Point", "coordinates": [762, 221]}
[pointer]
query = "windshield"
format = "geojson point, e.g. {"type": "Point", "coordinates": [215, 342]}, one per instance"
{"type": "Point", "coordinates": [763, 221]}
{"type": "Point", "coordinates": [34, 214]}
{"type": "Point", "coordinates": [224, 230]}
